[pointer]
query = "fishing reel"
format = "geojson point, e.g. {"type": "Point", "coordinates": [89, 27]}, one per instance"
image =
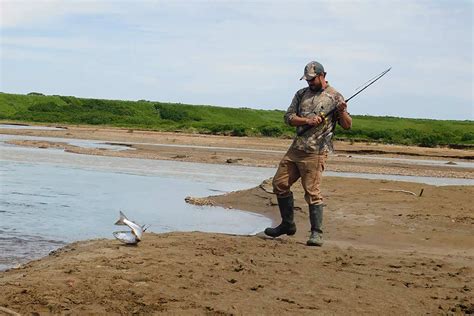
{"type": "Point", "coordinates": [315, 128]}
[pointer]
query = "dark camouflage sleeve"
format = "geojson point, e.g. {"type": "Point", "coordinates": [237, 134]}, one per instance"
{"type": "Point", "coordinates": [291, 112]}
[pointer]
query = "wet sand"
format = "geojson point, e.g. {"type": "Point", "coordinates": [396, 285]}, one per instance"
{"type": "Point", "coordinates": [386, 251]}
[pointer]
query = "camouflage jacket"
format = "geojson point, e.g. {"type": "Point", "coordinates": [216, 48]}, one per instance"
{"type": "Point", "coordinates": [307, 103]}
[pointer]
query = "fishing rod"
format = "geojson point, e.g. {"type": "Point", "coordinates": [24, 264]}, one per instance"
{"type": "Point", "coordinates": [325, 115]}
{"type": "Point", "coordinates": [368, 85]}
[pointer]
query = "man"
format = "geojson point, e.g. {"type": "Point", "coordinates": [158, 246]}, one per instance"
{"type": "Point", "coordinates": [315, 111]}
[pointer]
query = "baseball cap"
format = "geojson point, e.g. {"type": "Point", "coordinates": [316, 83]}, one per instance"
{"type": "Point", "coordinates": [312, 69]}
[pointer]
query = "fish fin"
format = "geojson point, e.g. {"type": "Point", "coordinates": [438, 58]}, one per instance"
{"type": "Point", "coordinates": [136, 236]}
{"type": "Point", "coordinates": [121, 219]}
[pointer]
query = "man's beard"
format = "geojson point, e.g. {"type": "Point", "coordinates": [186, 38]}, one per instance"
{"type": "Point", "coordinates": [315, 87]}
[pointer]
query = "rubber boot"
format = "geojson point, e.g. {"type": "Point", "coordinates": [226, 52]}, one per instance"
{"type": "Point", "coordinates": [287, 225]}
{"type": "Point", "coordinates": [316, 219]}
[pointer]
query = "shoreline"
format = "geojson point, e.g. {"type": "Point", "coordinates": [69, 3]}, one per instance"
{"type": "Point", "coordinates": [380, 243]}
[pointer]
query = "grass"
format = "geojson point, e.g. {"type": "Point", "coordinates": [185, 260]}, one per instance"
{"type": "Point", "coordinates": [206, 119]}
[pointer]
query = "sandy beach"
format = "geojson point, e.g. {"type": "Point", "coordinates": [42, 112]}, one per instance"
{"type": "Point", "coordinates": [387, 251]}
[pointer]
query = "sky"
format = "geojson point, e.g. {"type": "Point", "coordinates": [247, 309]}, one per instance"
{"type": "Point", "coordinates": [244, 53]}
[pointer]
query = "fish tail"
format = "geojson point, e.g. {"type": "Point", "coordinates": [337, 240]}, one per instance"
{"type": "Point", "coordinates": [121, 219]}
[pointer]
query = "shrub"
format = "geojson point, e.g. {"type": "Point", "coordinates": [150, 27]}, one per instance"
{"type": "Point", "coordinates": [270, 131]}
{"type": "Point", "coordinates": [44, 107]}
{"type": "Point", "coordinates": [168, 112]}
{"type": "Point", "coordinates": [68, 100]}
{"type": "Point", "coordinates": [94, 118]}
{"type": "Point", "coordinates": [411, 133]}
{"type": "Point", "coordinates": [106, 106]}
{"type": "Point", "coordinates": [467, 137]}
{"type": "Point", "coordinates": [379, 134]}
{"type": "Point", "coordinates": [225, 129]}
{"type": "Point", "coordinates": [238, 131]}
{"type": "Point", "coordinates": [429, 140]}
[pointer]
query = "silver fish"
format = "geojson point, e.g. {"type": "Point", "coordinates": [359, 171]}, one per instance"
{"type": "Point", "coordinates": [137, 230]}
{"type": "Point", "coordinates": [126, 237]}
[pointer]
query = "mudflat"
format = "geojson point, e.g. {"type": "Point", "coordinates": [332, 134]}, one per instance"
{"type": "Point", "coordinates": [388, 249]}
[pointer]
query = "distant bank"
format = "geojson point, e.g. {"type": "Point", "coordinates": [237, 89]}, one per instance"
{"type": "Point", "coordinates": [206, 119]}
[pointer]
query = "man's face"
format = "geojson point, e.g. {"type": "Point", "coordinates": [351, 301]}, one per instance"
{"type": "Point", "coordinates": [315, 84]}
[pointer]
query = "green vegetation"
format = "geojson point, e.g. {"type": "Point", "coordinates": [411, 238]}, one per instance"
{"type": "Point", "coordinates": [205, 119]}
{"type": "Point", "coordinates": [422, 132]}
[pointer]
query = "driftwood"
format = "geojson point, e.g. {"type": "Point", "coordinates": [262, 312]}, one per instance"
{"type": "Point", "coordinates": [403, 191]}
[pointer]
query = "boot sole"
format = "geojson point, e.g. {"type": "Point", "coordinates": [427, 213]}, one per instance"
{"type": "Point", "coordinates": [275, 236]}
{"type": "Point", "coordinates": [290, 232]}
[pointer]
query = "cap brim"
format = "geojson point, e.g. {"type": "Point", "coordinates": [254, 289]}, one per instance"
{"type": "Point", "coordinates": [307, 78]}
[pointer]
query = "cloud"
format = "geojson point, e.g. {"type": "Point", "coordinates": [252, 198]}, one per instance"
{"type": "Point", "coordinates": [24, 13]}
{"type": "Point", "coordinates": [250, 52]}
{"type": "Point", "coordinates": [49, 42]}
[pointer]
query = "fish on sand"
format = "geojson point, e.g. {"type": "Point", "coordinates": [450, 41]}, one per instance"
{"type": "Point", "coordinates": [129, 237]}
{"type": "Point", "coordinates": [126, 237]}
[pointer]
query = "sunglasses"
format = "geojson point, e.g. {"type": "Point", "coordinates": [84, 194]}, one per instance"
{"type": "Point", "coordinates": [317, 75]}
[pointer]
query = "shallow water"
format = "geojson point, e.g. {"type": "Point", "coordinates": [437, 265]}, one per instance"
{"type": "Point", "coordinates": [18, 126]}
{"type": "Point", "coordinates": [49, 198]}
{"type": "Point", "coordinates": [71, 141]}
{"type": "Point", "coordinates": [421, 162]}
{"type": "Point", "coordinates": [393, 177]}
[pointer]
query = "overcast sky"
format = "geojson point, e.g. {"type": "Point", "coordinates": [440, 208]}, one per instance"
{"type": "Point", "coordinates": [244, 53]}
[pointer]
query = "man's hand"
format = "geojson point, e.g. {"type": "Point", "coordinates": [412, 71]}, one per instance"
{"type": "Point", "coordinates": [311, 121]}
{"type": "Point", "coordinates": [342, 107]}
{"type": "Point", "coordinates": [315, 120]}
